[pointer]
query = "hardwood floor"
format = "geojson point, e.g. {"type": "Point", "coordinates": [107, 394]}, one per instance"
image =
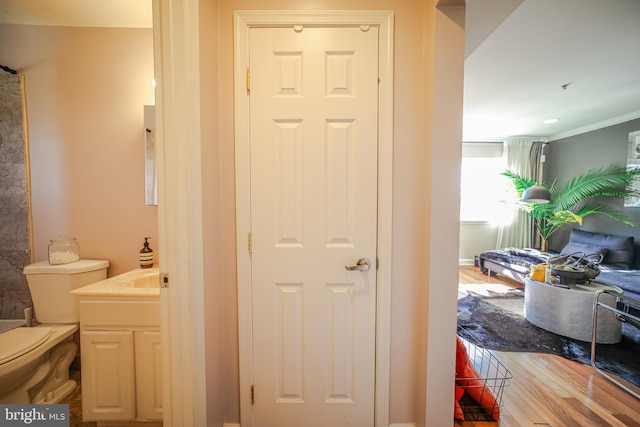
{"type": "Point", "coordinates": [549, 390]}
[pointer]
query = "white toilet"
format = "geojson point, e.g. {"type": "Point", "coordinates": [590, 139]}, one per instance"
{"type": "Point", "coordinates": [34, 361]}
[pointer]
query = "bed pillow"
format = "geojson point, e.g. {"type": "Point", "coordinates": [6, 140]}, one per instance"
{"type": "Point", "coordinates": [581, 248]}
{"type": "Point", "coordinates": [620, 249]}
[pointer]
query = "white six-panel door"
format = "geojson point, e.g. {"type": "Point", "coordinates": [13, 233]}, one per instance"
{"type": "Point", "coordinates": [313, 138]}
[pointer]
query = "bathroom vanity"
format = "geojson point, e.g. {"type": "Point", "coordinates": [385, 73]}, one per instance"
{"type": "Point", "coordinates": [121, 350]}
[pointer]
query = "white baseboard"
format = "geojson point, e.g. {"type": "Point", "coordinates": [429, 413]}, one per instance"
{"type": "Point", "coordinates": [390, 425]}
{"type": "Point", "coordinates": [466, 261]}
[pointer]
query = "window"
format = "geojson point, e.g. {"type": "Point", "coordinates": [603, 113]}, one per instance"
{"type": "Point", "coordinates": [483, 191]}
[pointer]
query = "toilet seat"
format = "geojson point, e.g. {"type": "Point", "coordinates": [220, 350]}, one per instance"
{"type": "Point", "coordinates": [18, 341]}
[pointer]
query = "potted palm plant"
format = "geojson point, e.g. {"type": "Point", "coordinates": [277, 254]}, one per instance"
{"type": "Point", "coordinates": [576, 199]}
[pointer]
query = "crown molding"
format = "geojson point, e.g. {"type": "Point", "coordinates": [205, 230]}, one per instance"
{"type": "Point", "coordinates": [596, 126]}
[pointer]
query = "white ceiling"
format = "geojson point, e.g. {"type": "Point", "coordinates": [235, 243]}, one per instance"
{"type": "Point", "coordinates": [519, 54]}
{"type": "Point", "coordinates": [514, 75]}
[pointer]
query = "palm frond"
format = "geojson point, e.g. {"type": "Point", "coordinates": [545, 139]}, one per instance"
{"type": "Point", "coordinates": [520, 183]}
{"type": "Point", "coordinates": [560, 218]}
{"type": "Point", "coordinates": [586, 210]}
{"type": "Point", "coordinates": [594, 182]}
{"type": "Point", "coordinates": [570, 203]}
{"type": "Point", "coordinates": [619, 192]}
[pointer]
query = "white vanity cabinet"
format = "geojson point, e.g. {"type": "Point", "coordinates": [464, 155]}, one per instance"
{"type": "Point", "coordinates": [121, 357]}
{"type": "Point", "coordinates": [149, 374]}
{"type": "Point", "coordinates": [108, 387]}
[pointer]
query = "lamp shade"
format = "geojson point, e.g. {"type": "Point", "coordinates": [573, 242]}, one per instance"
{"type": "Point", "coordinates": [536, 194]}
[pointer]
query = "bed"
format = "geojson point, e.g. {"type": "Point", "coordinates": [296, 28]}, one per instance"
{"type": "Point", "coordinates": [617, 267]}
{"type": "Point", "coordinates": [514, 263]}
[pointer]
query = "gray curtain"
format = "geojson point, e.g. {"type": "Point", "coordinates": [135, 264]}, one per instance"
{"type": "Point", "coordinates": [522, 156]}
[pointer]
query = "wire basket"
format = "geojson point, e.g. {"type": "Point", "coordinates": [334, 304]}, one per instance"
{"type": "Point", "coordinates": [487, 389]}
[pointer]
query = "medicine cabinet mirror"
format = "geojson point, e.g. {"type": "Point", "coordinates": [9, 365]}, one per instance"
{"type": "Point", "coordinates": [150, 167]}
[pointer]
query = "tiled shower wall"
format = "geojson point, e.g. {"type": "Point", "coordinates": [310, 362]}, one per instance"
{"type": "Point", "coordinates": [15, 251]}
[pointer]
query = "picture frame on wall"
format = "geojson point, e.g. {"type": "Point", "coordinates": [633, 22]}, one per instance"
{"type": "Point", "coordinates": [633, 162]}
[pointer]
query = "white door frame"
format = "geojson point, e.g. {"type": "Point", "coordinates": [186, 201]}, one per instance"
{"type": "Point", "coordinates": [180, 221]}
{"type": "Point", "coordinates": [243, 21]}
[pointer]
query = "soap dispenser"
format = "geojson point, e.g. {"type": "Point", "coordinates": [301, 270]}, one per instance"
{"type": "Point", "coordinates": [146, 255]}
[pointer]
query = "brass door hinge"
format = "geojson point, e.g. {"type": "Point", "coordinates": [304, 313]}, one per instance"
{"type": "Point", "coordinates": [250, 242]}
{"type": "Point", "coordinates": [248, 80]}
{"type": "Point", "coordinates": [253, 396]}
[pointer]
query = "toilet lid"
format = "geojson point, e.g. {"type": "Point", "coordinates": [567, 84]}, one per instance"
{"type": "Point", "coordinates": [18, 341]}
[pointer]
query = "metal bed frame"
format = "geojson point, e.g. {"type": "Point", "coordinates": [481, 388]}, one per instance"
{"type": "Point", "coordinates": [624, 316]}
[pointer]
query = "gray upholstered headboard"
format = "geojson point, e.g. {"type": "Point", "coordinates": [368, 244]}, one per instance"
{"type": "Point", "coordinates": [619, 251]}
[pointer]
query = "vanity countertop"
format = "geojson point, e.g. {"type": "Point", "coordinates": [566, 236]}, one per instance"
{"type": "Point", "coordinates": [135, 283]}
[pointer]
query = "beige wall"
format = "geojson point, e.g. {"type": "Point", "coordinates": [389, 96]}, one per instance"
{"type": "Point", "coordinates": [218, 199]}
{"type": "Point", "coordinates": [443, 96]}
{"type": "Point", "coordinates": [415, 102]}
{"type": "Point", "coordinates": [475, 238]}
{"type": "Point", "coordinates": [86, 88]}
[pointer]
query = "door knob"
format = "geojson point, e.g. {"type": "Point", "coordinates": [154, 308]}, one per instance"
{"type": "Point", "coordinates": [363, 264]}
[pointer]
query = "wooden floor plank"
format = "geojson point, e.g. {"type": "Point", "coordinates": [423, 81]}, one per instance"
{"type": "Point", "coordinates": [590, 417]}
{"type": "Point", "coordinates": [626, 421]}
{"type": "Point", "coordinates": [549, 390]}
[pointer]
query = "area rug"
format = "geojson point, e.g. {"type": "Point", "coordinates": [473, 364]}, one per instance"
{"type": "Point", "coordinates": [498, 323]}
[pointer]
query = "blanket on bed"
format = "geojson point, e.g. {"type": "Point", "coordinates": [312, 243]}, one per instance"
{"type": "Point", "coordinates": [627, 280]}
{"type": "Point", "coordinates": [515, 256]}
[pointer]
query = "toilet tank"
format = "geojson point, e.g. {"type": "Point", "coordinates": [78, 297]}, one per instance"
{"type": "Point", "coordinates": [50, 286]}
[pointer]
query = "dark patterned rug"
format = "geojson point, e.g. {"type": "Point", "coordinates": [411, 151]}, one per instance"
{"type": "Point", "coordinates": [498, 323]}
